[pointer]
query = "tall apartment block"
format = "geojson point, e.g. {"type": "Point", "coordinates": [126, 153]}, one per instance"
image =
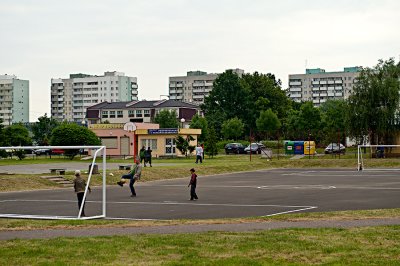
{"type": "Point", "coordinates": [14, 100]}
{"type": "Point", "coordinates": [70, 97]}
{"type": "Point", "coordinates": [193, 87]}
{"type": "Point", "coordinates": [318, 86]}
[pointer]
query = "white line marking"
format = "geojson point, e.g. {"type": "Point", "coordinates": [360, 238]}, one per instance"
{"type": "Point", "coordinates": [304, 209]}
{"type": "Point", "coordinates": [169, 203]}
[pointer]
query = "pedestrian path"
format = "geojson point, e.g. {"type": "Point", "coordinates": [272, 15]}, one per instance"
{"type": "Point", "coordinates": [194, 228]}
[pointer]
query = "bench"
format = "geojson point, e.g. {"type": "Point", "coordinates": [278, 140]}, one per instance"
{"type": "Point", "coordinates": [124, 167]}
{"type": "Point", "coordinates": [60, 171]}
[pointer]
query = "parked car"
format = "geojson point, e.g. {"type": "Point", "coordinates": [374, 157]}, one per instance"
{"type": "Point", "coordinates": [335, 148]}
{"type": "Point", "coordinates": [254, 148]}
{"type": "Point", "coordinates": [236, 148]}
{"type": "Point", "coordinates": [57, 151]}
{"type": "Point", "coordinates": [41, 151]}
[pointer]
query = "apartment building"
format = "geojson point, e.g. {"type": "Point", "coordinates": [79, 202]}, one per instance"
{"type": "Point", "coordinates": [14, 100]}
{"type": "Point", "coordinates": [318, 86]}
{"type": "Point", "coordinates": [71, 97]}
{"type": "Point", "coordinates": [139, 111]}
{"type": "Point", "coordinates": [194, 87]}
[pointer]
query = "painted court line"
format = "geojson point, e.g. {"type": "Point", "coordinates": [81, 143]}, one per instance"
{"type": "Point", "coordinates": [168, 203]}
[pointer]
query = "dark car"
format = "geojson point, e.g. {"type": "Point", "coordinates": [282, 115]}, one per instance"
{"type": "Point", "coordinates": [335, 148]}
{"type": "Point", "coordinates": [236, 148]}
{"type": "Point", "coordinates": [254, 148]}
{"type": "Point", "coordinates": [41, 151]}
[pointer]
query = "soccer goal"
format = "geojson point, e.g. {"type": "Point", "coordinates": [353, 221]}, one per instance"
{"type": "Point", "coordinates": [54, 203]}
{"type": "Point", "coordinates": [378, 157]}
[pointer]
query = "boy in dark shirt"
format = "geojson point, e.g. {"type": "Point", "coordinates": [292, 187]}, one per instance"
{"type": "Point", "coordinates": [192, 184]}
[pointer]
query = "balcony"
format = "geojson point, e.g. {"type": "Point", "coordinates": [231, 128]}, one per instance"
{"type": "Point", "coordinates": [315, 101]}
{"type": "Point", "coordinates": [198, 84]}
{"type": "Point", "coordinates": [173, 97]}
{"type": "Point", "coordinates": [208, 84]}
{"type": "Point", "coordinates": [172, 85]}
{"type": "Point", "coordinates": [316, 89]}
{"type": "Point", "coordinates": [339, 94]}
{"type": "Point", "coordinates": [315, 94]}
{"type": "Point", "coordinates": [179, 85]}
{"type": "Point", "coordinates": [297, 95]}
{"type": "Point", "coordinates": [331, 82]}
{"type": "Point", "coordinates": [179, 91]}
{"type": "Point", "coordinates": [323, 94]}
{"type": "Point", "coordinates": [322, 100]}
{"type": "Point", "coordinates": [198, 96]}
{"type": "Point", "coordinates": [323, 82]}
{"type": "Point", "coordinates": [179, 97]}
{"type": "Point", "coordinates": [197, 90]}
{"type": "Point", "coordinates": [339, 88]}
{"type": "Point", "coordinates": [173, 91]}
{"type": "Point", "coordinates": [295, 89]}
{"type": "Point", "coordinates": [315, 83]}
{"type": "Point", "coordinates": [338, 81]}
{"type": "Point", "coordinates": [331, 88]}
{"type": "Point", "coordinates": [331, 94]}
{"type": "Point", "coordinates": [295, 83]}
{"type": "Point", "coordinates": [323, 88]}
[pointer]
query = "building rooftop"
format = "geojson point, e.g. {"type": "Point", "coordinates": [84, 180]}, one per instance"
{"type": "Point", "coordinates": [142, 104]}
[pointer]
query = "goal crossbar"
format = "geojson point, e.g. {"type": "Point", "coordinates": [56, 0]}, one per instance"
{"type": "Point", "coordinates": [360, 157]}
{"type": "Point", "coordinates": [104, 175]}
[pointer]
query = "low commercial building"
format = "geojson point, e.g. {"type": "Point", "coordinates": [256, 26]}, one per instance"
{"type": "Point", "coordinates": [139, 111]}
{"type": "Point", "coordinates": [122, 142]}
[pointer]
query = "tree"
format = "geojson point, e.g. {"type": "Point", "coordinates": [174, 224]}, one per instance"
{"type": "Point", "coordinates": [200, 123]}
{"type": "Point", "coordinates": [228, 99]}
{"type": "Point", "coordinates": [17, 135]}
{"type": "Point", "coordinates": [373, 112]}
{"type": "Point", "coordinates": [333, 120]}
{"type": "Point", "coordinates": [183, 144]}
{"type": "Point", "coordinates": [268, 122]}
{"type": "Point", "coordinates": [265, 93]}
{"type": "Point", "coordinates": [211, 143]}
{"type": "Point", "coordinates": [232, 128]}
{"type": "Point", "coordinates": [73, 135]}
{"type": "Point", "coordinates": [42, 130]}
{"type": "Point", "coordinates": [167, 119]}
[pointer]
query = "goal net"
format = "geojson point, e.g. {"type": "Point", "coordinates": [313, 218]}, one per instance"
{"type": "Point", "coordinates": [378, 157]}
{"type": "Point", "coordinates": [59, 202]}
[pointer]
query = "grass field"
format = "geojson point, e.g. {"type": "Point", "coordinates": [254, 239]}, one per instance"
{"type": "Point", "coordinates": [355, 246]}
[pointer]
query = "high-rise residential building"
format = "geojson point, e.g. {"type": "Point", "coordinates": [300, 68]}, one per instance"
{"type": "Point", "coordinates": [70, 97]}
{"type": "Point", "coordinates": [194, 87]}
{"type": "Point", "coordinates": [14, 100]}
{"type": "Point", "coordinates": [319, 86]}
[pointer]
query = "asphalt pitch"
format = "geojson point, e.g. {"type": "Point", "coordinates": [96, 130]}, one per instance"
{"type": "Point", "coordinates": [245, 194]}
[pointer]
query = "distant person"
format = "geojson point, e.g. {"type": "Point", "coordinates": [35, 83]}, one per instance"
{"type": "Point", "coordinates": [133, 176]}
{"type": "Point", "coordinates": [193, 184]}
{"type": "Point", "coordinates": [199, 154]}
{"type": "Point", "coordinates": [147, 157]}
{"type": "Point", "coordinates": [79, 187]}
{"type": "Point", "coordinates": [142, 154]}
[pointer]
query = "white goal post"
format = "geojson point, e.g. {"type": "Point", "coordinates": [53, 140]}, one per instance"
{"type": "Point", "coordinates": [371, 152]}
{"type": "Point", "coordinates": [95, 151]}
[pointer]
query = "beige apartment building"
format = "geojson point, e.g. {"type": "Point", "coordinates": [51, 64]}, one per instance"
{"type": "Point", "coordinates": [318, 86]}
{"type": "Point", "coordinates": [194, 87]}
{"type": "Point", "coordinates": [72, 96]}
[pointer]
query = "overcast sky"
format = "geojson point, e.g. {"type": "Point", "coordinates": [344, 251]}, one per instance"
{"type": "Point", "coordinates": [153, 40]}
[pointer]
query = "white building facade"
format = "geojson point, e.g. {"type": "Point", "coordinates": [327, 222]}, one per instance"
{"type": "Point", "coordinates": [70, 97]}
{"type": "Point", "coordinates": [14, 100]}
{"type": "Point", "coordinates": [318, 86]}
{"type": "Point", "coordinates": [194, 87]}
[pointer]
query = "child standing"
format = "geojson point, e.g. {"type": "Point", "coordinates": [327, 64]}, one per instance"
{"type": "Point", "coordinates": [193, 184]}
{"type": "Point", "coordinates": [79, 186]}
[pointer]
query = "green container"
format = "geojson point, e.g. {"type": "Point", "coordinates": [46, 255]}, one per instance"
{"type": "Point", "coordinates": [289, 147]}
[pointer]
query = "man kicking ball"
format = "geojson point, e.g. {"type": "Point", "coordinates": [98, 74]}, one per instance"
{"type": "Point", "coordinates": [133, 175]}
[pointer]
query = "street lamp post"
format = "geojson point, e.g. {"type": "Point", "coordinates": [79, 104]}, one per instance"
{"type": "Point", "coordinates": [182, 121]}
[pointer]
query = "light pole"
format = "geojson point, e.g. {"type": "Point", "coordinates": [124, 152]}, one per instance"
{"type": "Point", "coordinates": [182, 121]}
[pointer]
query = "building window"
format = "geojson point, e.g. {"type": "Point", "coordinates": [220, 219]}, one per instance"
{"type": "Point", "coordinates": [104, 114]}
{"type": "Point", "coordinates": [138, 113]}
{"type": "Point", "coordinates": [152, 143]}
{"type": "Point", "coordinates": [146, 113]}
{"type": "Point", "coordinates": [131, 113]}
{"type": "Point", "coordinates": [120, 114]}
{"type": "Point", "coordinates": [112, 114]}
